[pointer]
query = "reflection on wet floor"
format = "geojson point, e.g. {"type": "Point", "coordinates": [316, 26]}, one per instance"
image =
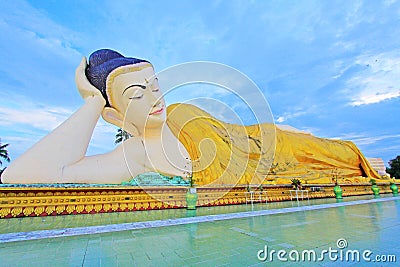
{"type": "Point", "coordinates": [26, 224]}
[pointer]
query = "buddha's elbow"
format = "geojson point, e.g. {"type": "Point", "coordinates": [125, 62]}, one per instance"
{"type": "Point", "coordinates": [15, 174]}
{"type": "Point", "coordinates": [6, 176]}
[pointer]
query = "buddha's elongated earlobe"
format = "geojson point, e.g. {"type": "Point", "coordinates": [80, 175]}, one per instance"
{"type": "Point", "coordinates": [113, 116]}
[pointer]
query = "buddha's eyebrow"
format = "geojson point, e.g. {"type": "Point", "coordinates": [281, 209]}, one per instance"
{"type": "Point", "coordinates": [133, 85]}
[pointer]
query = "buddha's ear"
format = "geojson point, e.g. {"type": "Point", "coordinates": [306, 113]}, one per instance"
{"type": "Point", "coordinates": [113, 116]}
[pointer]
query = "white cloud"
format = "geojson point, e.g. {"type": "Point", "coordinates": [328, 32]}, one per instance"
{"type": "Point", "coordinates": [289, 128]}
{"type": "Point", "coordinates": [362, 139]}
{"type": "Point", "coordinates": [311, 130]}
{"type": "Point", "coordinates": [368, 98]}
{"type": "Point", "coordinates": [378, 81]}
{"type": "Point", "coordinates": [40, 118]}
{"type": "Point", "coordinates": [290, 115]}
{"type": "Point", "coordinates": [384, 146]}
{"type": "Point", "coordinates": [348, 136]}
{"type": "Point", "coordinates": [373, 139]}
{"type": "Point", "coordinates": [379, 151]}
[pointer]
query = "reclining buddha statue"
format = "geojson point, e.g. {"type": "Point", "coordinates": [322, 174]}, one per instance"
{"type": "Point", "coordinates": [181, 140]}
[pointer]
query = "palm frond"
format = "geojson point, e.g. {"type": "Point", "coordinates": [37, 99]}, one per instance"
{"type": "Point", "coordinates": [121, 136]}
{"type": "Point", "coordinates": [4, 153]}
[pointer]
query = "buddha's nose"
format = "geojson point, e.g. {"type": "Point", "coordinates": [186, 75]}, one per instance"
{"type": "Point", "coordinates": [151, 99]}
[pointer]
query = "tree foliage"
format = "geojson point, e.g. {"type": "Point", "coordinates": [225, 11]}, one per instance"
{"type": "Point", "coordinates": [3, 153]}
{"type": "Point", "coordinates": [394, 169]}
{"type": "Point", "coordinates": [121, 136]}
{"type": "Point", "coordinates": [3, 156]}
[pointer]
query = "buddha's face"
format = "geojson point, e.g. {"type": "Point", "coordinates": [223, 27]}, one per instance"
{"type": "Point", "coordinates": [137, 97]}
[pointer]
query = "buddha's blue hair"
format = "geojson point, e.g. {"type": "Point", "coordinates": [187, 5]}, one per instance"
{"type": "Point", "coordinates": [101, 63]}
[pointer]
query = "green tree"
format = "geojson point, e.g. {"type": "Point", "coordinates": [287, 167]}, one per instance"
{"type": "Point", "coordinates": [121, 136]}
{"type": "Point", "coordinates": [3, 153]}
{"type": "Point", "coordinates": [394, 169]}
{"type": "Point", "coordinates": [3, 156]}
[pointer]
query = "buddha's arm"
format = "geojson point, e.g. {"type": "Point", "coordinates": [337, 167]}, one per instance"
{"type": "Point", "coordinates": [67, 144]}
{"type": "Point", "coordinates": [121, 164]}
{"type": "Point", "coordinates": [108, 168]}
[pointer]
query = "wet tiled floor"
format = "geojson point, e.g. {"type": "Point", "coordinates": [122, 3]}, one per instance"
{"type": "Point", "coordinates": [84, 220]}
{"type": "Point", "coordinates": [373, 226]}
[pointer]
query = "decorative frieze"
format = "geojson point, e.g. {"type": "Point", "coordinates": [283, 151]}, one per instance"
{"type": "Point", "coordinates": [35, 201]}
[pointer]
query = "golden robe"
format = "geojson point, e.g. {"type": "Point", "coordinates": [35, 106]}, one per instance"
{"type": "Point", "coordinates": [228, 154]}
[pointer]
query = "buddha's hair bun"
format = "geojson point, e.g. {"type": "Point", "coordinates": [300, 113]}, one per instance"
{"type": "Point", "coordinates": [101, 63]}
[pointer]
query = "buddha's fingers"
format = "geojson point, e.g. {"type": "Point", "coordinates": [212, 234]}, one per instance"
{"type": "Point", "coordinates": [85, 88]}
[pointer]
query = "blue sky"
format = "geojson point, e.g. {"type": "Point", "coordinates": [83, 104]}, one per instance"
{"type": "Point", "coordinates": [328, 67]}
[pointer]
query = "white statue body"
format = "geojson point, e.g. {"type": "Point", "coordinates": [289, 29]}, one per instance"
{"type": "Point", "coordinates": [135, 105]}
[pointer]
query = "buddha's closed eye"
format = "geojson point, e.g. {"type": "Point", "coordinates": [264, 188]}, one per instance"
{"type": "Point", "coordinates": [134, 91]}
{"type": "Point", "coordinates": [137, 94]}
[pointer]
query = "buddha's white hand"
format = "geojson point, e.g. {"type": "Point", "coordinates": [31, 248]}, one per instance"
{"type": "Point", "coordinates": [85, 88]}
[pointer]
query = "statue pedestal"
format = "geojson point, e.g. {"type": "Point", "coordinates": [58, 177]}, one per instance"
{"type": "Point", "coordinates": [31, 200]}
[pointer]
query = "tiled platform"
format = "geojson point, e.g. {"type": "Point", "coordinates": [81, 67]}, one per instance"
{"type": "Point", "coordinates": [231, 239]}
{"type": "Point", "coordinates": [29, 224]}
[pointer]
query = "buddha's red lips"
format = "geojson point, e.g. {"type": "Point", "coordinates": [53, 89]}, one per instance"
{"type": "Point", "coordinates": [158, 111]}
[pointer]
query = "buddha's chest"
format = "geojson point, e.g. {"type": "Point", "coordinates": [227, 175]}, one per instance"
{"type": "Point", "coordinates": [167, 157]}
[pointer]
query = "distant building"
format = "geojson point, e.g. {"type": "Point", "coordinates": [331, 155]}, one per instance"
{"type": "Point", "coordinates": [379, 165]}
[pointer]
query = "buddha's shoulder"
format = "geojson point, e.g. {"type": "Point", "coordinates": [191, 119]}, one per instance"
{"type": "Point", "coordinates": [134, 143]}
{"type": "Point", "coordinates": [178, 108]}
{"type": "Point", "coordinates": [134, 140]}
